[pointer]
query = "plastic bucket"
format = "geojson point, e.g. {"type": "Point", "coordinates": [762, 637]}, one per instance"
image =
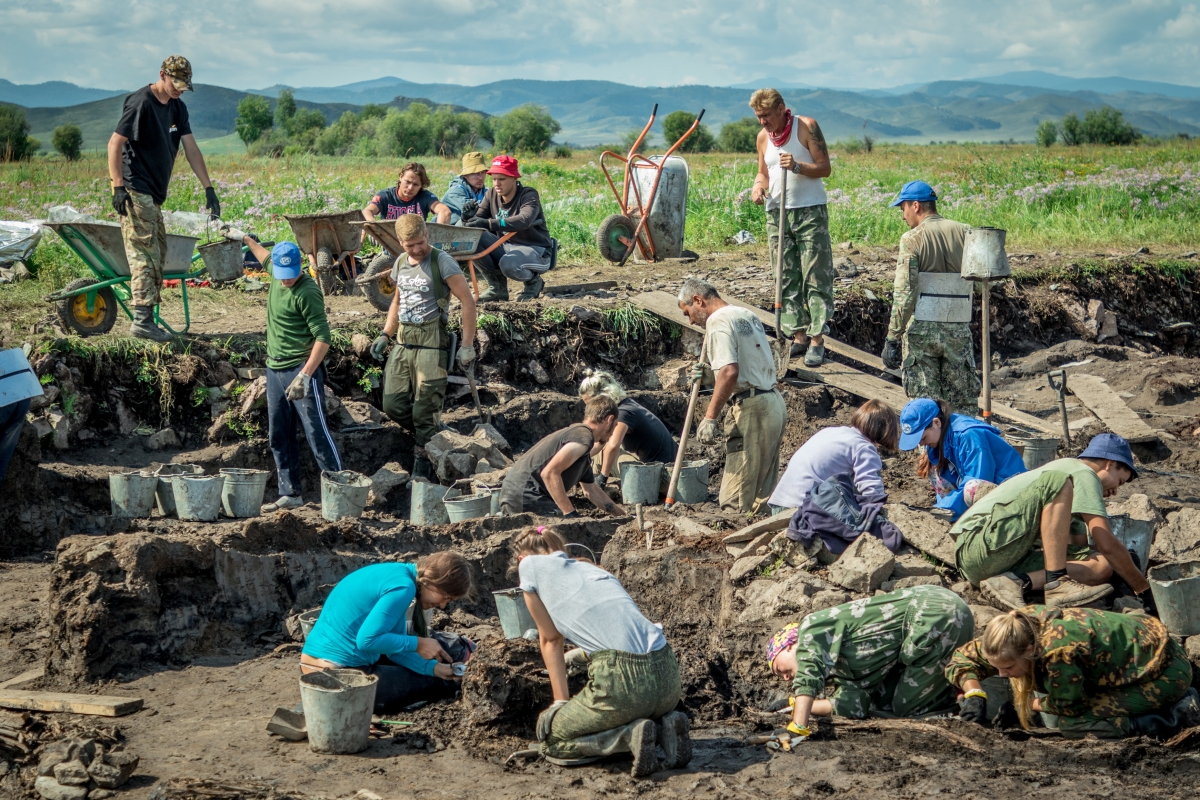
{"type": "Point", "coordinates": [461, 509]}
{"type": "Point", "coordinates": [343, 494]}
{"type": "Point", "coordinates": [243, 490]}
{"type": "Point", "coordinates": [131, 494]}
{"type": "Point", "coordinates": [223, 260]}
{"type": "Point", "coordinates": [427, 505]}
{"type": "Point", "coordinates": [165, 493]}
{"type": "Point", "coordinates": [337, 709]}
{"type": "Point", "coordinates": [1176, 590]}
{"type": "Point", "coordinates": [693, 482]}
{"type": "Point", "coordinates": [197, 497]}
{"type": "Point", "coordinates": [1037, 451]}
{"type": "Point", "coordinates": [640, 482]}
{"type": "Point", "coordinates": [515, 618]}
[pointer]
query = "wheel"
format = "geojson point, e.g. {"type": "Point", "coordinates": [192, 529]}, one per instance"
{"type": "Point", "coordinates": [608, 237]}
{"type": "Point", "coordinates": [380, 291]}
{"type": "Point", "coordinates": [73, 311]}
{"type": "Point", "coordinates": [328, 281]}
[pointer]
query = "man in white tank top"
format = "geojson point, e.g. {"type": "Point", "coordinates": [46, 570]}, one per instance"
{"type": "Point", "coordinates": [797, 145]}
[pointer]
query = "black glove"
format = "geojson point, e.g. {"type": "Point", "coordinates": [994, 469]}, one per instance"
{"type": "Point", "coordinates": [121, 201]}
{"type": "Point", "coordinates": [973, 709]}
{"type": "Point", "coordinates": [468, 210]}
{"type": "Point", "coordinates": [1148, 602]}
{"type": "Point", "coordinates": [891, 354]}
{"type": "Point", "coordinates": [211, 203]}
{"type": "Point", "coordinates": [1006, 716]}
{"type": "Point", "coordinates": [572, 514]}
{"type": "Point", "coordinates": [601, 481]}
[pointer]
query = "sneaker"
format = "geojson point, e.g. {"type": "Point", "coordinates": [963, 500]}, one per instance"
{"type": "Point", "coordinates": [533, 289]}
{"type": "Point", "coordinates": [495, 291]}
{"type": "Point", "coordinates": [798, 349]}
{"type": "Point", "coordinates": [284, 501]}
{"type": "Point", "coordinates": [815, 356]}
{"type": "Point", "coordinates": [676, 744]}
{"type": "Point", "coordinates": [1067, 593]}
{"type": "Point", "coordinates": [643, 743]}
{"type": "Point", "coordinates": [1004, 591]}
{"type": "Point", "coordinates": [144, 326]}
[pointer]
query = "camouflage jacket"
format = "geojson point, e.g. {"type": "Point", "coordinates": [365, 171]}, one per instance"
{"type": "Point", "coordinates": [1081, 652]}
{"type": "Point", "coordinates": [936, 245]}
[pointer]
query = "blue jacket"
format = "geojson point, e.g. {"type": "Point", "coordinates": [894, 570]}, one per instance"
{"type": "Point", "coordinates": [365, 618]}
{"type": "Point", "coordinates": [460, 192]}
{"type": "Point", "coordinates": [972, 449]}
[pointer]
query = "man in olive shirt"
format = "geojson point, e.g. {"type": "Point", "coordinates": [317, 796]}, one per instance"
{"type": "Point", "coordinates": [297, 341]}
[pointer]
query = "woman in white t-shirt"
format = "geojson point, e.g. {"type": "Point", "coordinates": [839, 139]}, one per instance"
{"type": "Point", "coordinates": [633, 677]}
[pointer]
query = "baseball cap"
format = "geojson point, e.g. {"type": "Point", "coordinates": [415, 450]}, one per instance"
{"type": "Point", "coordinates": [1110, 447]}
{"type": "Point", "coordinates": [285, 261]}
{"type": "Point", "coordinates": [473, 163]}
{"type": "Point", "coordinates": [179, 70]}
{"type": "Point", "coordinates": [915, 190]}
{"type": "Point", "coordinates": [504, 165]}
{"type": "Point", "coordinates": [914, 419]}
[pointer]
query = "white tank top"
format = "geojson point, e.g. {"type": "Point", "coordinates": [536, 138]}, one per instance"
{"type": "Point", "coordinates": [802, 191]}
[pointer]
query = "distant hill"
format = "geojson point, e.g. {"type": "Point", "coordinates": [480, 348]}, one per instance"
{"type": "Point", "coordinates": [52, 93]}
{"type": "Point", "coordinates": [1113, 85]}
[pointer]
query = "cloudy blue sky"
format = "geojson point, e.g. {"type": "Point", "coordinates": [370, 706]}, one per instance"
{"type": "Point", "coordinates": [856, 43]}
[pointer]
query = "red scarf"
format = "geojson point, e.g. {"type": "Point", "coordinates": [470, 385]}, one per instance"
{"type": "Point", "coordinates": [781, 138]}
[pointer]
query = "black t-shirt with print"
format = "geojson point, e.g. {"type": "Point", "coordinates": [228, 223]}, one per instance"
{"type": "Point", "coordinates": [153, 130]}
{"type": "Point", "coordinates": [392, 206]}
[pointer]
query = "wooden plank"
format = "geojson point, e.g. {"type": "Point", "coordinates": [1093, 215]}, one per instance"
{"type": "Point", "coordinates": [851, 380]}
{"type": "Point", "coordinates": [1102, 401]}
{"type": "Point", "coordinates": [666, 306]}
{"type": "Point", "coordinates": [24, 677]}
{"type": "Point", "coordinates": [94, 704]}
{"type": "Point", "coordinates": [571, 288]}
{"type": "Point", "coordinates": [1052, 427]}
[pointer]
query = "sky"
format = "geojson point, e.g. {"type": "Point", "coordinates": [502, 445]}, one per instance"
{"type": "Point", "coordinates": [246, 44]}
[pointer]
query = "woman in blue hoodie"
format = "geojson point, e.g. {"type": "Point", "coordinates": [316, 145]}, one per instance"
{"type": "Point", "coordinates": [964, 457]}
{"type": "Point", "coordinates": [467, 189]}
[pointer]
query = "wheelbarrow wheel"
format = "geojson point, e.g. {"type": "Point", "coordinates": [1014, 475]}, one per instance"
{"type": "Point", "coordinates": [327, 280]}
{"type": "Point", "coordinates": [608, 237]}
{"type": "Point", "coordinates": [73, 311]}
{"type": "Point", "coordinates": [382, 289]}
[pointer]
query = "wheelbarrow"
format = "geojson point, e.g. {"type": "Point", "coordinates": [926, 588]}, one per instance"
{"type": "Point", "coordinates": [619, 233]}
{"type": "Point", "coordinates": [329, 240]}
{"type": "Point", "coordinates": [89, 306]}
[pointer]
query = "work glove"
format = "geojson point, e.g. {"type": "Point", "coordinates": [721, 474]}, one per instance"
{"type": "Point", "coordinates": [577, 661]}
{"type": "Point", "coordinates": [798, 732]}
{"type": "Point", "coordinates": [699, 372]}
{"type": "Point", "coordinates": [973, 708]}
{"type": "Point", "coordinates": [379, 347]}
{"type": "Point", "coordinates": [1148, 603]}
{"type": "Point", "coordinates": [706, 431]}
{"type": "Point", "coordinates": [466, 354]}
{"type": "Point", "coordinates": [546, 718]}
{"type": "Point", "coordinates": [233, 234]}
{"type": "Point", "coordinates": [468, 210]}
{"type": "Point", "coordinates": [121, 201]}
{"type": "Point", "coordinates": [572, 514]}
{"type": "Point", "coordinates": [891, 354]}
{"type": "Point", "coordinates": [211, 203]}
{"type": "Point", "coordinates": [601, 481]}
{"type": "Point", "coordinates": [300, 387]}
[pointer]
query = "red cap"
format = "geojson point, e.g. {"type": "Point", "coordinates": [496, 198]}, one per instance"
{"type": "Point", "coordinates": [504, 165]}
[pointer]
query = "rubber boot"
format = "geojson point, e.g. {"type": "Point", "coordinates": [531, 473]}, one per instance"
{"type": "Point", "coordinates": [144, 327]}
{"type": "Point", "coordinates": [675, 741]}
{"type": "Point", "coordinates": [497, 286]}
{"type": "Point", "coordinates": [422, 466]}
{"type": "Point", "coordinates": [638, 737]}
{"type": "Point", "coordinates": [533, 289]}
{"type": "Point", "coordinates": [1168, 722]}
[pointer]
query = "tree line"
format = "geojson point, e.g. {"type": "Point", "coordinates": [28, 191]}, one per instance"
{"type": "Point", "coordinates": [1106, 125]}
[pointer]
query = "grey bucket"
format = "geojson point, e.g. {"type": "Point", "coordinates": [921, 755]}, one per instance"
{"type": "Point", "coordinates": [427, 505]}
{"type": "Point", "coordinates": [223, 260]}
{"type": "Point", "coordinates": [343, 494]}
{"type": "Point", "coordinates": [1135, 534]}
{"type": "Point", "coordinates": [1049, 720]}
{"type": "Point", "coordinates": [640, 482]}
{"type": "Point", "coordinates": [515, 618]}
{"type": "Point", "coordinates": [165, 492]}
{"type": "Point", "coordinates": [337, 709]}
{"type": "Point", "coordinates": [1176, 590]}
{"type": "Point", "coordinates": [1036, 451]}
{"type": "Point", "coordinates": [461, 509]}
{"type": "Point", "coordinates": [131, 494]}
{"type": "Point", "coordinates": [693, 482]}
{"type": "Point", "coordinates": [243, 490]}
{"type": "Point", "coordinates": [197, 497]}
{"type": "Point", "coordinates": [307, 619]}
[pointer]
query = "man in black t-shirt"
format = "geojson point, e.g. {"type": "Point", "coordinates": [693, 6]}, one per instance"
{"type": "Point", "coordinates": [141, 156]}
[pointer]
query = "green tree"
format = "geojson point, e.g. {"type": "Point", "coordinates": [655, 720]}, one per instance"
{"type": "Point", "coordinates": [528, 128]}
{"type": "Point", "coordinates": [1047, 133]}
{"type": "Point", "coordinates": [285, 109]}
{"type": "Point", "coordinates": [1071, 130]}
{"type": "Point", "coordinates": [455, 133]}
{"type": "Point", "coordinates": [677, 123]}
{"type": "Point", "coordinates": [407, 133]}
{"type": "Point", "coordinates": [253, 117]}
{"type": "Point", "coordinates": [68, 140]}
{"type": "Point", "coordinates": [630, 137]}
{"type": "Point", "coordinates": [338, 138]}
{"type": "Point", "coordinates": [740, 136]}
{"type": "Point", "coordinates": [15, 141]}
{"type": "Point", "coordinates": [1108, 126]}
{"type": "Point", "coordinates": [373, 111]}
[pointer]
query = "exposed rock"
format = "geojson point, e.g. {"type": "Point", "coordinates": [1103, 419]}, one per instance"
{"type": "Point", "coordinates": [923, 531]}
{"type": "Point", "coordinates": [748, 565]}
{"type": "Point", "coordinates": [908, 583]}
{"type": "Point", "coordinates": [254, 396]}
{"type": "Point", "coordinates": [385, 479]}
{"type": "Point", "coordinates": [251, 373]}
{"type": "Point", "coordinates": [689, 527]}
{"type": "Point", "coordinates": [1179, 539]}
{"type": "Point", "coordinates": [1136, 506]}
{"type": "Point", "coordinates": [1108, 326]}
{"type": "Point", "coordinates": [354, 412]}
{"type": "Point", "coordinates": [1192, 646]}
{"type": "Point", "coordinates": [587, 315]}
{"type": "Point", "coordinates": [51, 789]}
{"type": "Point", "coordinates": [72, 748]}
{"type": "Point", "coordinates": [114, 771]}
{"type": "Point", "coordinates": [61, 427]}
{"type": "Point", "coordinates": [45, 399]}
{"type": "Point", "coordinates": [1128, 605]}
{"type": "Point", "coordinates": [483, 467]}
{"type": "Point", "coordinates": [222, 373]}
{"type": "Point", "coordinates": [72, 773]}
{"type": "Point", "coordinates": [864, 566]}
{"type": "Point", "coordinates": [983, 615]}
{"type": "Point", "coordinates": [537, 371]}
{"type": "Point", "coordinates": [127, 423]}
{"type": "Point", "coordinates": [828, 599]}
{"type": "Point", "coordinates": [789, 597]}
{"type": "Point", "coordinates": [1094, 309]}
{"type": "Point", "coordinates": [361, 344]}
{"type": "Point", "coordinates": [675, 375]}
{"type": "Point", "coordinates": [455, 456]}
{"type": "Point", "coordinates": [911, 565]}
{"type": "Point", "coordinates": [164, 439]}
{"type": "Point", "coordinates": [485, 430]}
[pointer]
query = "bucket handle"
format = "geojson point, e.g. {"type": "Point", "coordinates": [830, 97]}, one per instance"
{"type": "Point", "coordinates": [585, 547]}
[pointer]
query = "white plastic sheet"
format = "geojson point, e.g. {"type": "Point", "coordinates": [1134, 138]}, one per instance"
{"type": "Point", "coordinates": [17, 240]}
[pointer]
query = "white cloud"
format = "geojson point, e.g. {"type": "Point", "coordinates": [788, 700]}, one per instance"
{"type": "Point", "coordinates": [1017, 50]}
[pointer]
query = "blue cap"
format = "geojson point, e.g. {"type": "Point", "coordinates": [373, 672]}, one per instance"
{"type": "Point", "coordinates": [916, 190]}
{"type": "Point", "coordinates": [914, 419]}
{"type": "Point", "coordinates": [1110, 447]}
{"type": "Point", "coordinates": [286, 261]}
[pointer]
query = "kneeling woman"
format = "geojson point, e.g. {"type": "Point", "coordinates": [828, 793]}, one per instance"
{"type": "Point", "coordinates": [633, 677]}
{"type": "Point", "coordinates": [885, 654]}
{"type": "Point", "coordinates": [1110, 675]}
{"type": "Point", "coordinates": [638, 436]}
{"type": "Point", "coordinates": [377, 620]}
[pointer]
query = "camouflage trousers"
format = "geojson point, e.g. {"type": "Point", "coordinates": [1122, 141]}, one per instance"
{"type": "Point", "coordinates": [1109, 713]}
{"type": "Point", "coordinates": [145, 236]}
{"type": "Point", "coordinates": [939, 362]}
{"type": "Point", "coordinates": [807, 268]}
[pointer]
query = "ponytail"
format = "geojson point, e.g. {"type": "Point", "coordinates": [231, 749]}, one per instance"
{"type": "Point", "coordinates": [924, 465]}
{"type": "Point", "coordinates": [1009, 637]}
{"type": "Point", "coordinates": [539, 541]}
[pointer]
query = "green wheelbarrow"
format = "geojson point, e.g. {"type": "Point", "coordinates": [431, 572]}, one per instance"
{"type": "Point", "coordinates": [89, 306]}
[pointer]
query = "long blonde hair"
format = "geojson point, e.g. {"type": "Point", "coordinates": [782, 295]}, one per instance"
{"type": "Point", "coordinates": [1009, 637]}
{"type": "Point", "coordinates": [538, 541]}
{"type": "Point", "coordinates": [598, 382]}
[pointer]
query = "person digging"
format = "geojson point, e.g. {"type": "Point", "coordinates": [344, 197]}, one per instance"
{"type": "Point", "coordinates": [141, 157]}
{"type": "Point", "coordinates": [639, 437]}
{"type": "Point", "coordinates": [508, 207]}
{"type": "Point", "coordinates": [415, 340]}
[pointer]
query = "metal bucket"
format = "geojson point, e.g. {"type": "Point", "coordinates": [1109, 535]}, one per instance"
{"type": "Point", "coordinates": [243, 490]}
{"type": "Point", "coordinates": [1036, 451]}
{"type": "Point", "coordinates": [515, 618]}
{"type": "Point", "coordinates": [131, 494]}
{"type": "Point", "coordinates": [427, 505]}
{"type": "Point", "coordinates": [165, 493]}
{"type": "Point", "coordinates": [1049, 720]}
{"type": "Point", "coordinates": [693, 482]}
{"type": "Point", "coordinates": [307, 620]}
{"type": "Point", "coordinates": [461, 509]}
{"type": "Point", "coordinates": [640, 482]}
{"type": "Point", "coordinates": [337, 709]}
{"type": "Point", "coordinates": [343, 494]}
{"type": "Point", "coordinates": [983, 254]}
{"type": "Point", "coordinates": [197, 497]}
{"type": "Point", "coordinates": [223, 260]}
{"type": "Point", "coordinates": [1135, 534]}
{"type": "Point", "coordinates": [1176, 590]}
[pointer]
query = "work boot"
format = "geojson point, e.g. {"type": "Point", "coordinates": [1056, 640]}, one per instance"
{"type": "Point", "coordinates": [798, 349]}
{"type": "Point", "coordinates": [815, 356]}
{"type": "Point", "coordinates": [1167, 722]}
{"type": "Point", "coordinates": [284, 501]}
{"type": "Point", "coordinates": [144, 327]}
{"type": "Point", "coordinates": [638, 737]}
{"type": "Point", "coordinates": [497, 290]}
{"type": "Point", "coordinates": [1068, 593]}
{"type": "Point", "coordinates": [675, 741]}
{"type": "Point", "coordinates": [1004, 591]}
{"type": "Point", "coordinates": [533, 289]}
{"type": "Point", "coordinates": [644, 745]}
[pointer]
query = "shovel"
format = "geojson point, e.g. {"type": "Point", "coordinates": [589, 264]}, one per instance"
{"type": "Point", "coordinates": [687, 429]}
{"type": "Point", "coordinates": [470, 371]}
{"type": "Point", "coordinates": [783, 346]}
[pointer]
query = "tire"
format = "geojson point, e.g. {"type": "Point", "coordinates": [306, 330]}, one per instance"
{"type": "Point", "coordinates": [381, 291]}
{"type": "Point", "coordinates": [330, 285]}
{"type": "Point", "coordinates": [74, 314]}
{"type": "Point", "coordinates": [609, 234]}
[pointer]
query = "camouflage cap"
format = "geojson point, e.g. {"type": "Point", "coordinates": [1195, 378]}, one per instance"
{"type": "Point", "coordinates": [179, 70]}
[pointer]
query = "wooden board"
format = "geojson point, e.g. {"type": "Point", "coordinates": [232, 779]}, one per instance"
{"type": "Point", "coordinates": [24, 677]}
{"type": "Point", "coordinates": [95, 704]}
{"type": "Point", "coordinates": [1102, 401]}
{"type": "Point", "coordinates": [571, 288]}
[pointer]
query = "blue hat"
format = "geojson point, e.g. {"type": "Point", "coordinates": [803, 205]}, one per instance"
{"type": "Point", "coordinates": [914, 419]}
{"type": "Point", "coordinates": [916, 190]}
{"type": "Point", "coordinates": [286, 261]}
{"type": "Point", "coordinates": [1110, 447]}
